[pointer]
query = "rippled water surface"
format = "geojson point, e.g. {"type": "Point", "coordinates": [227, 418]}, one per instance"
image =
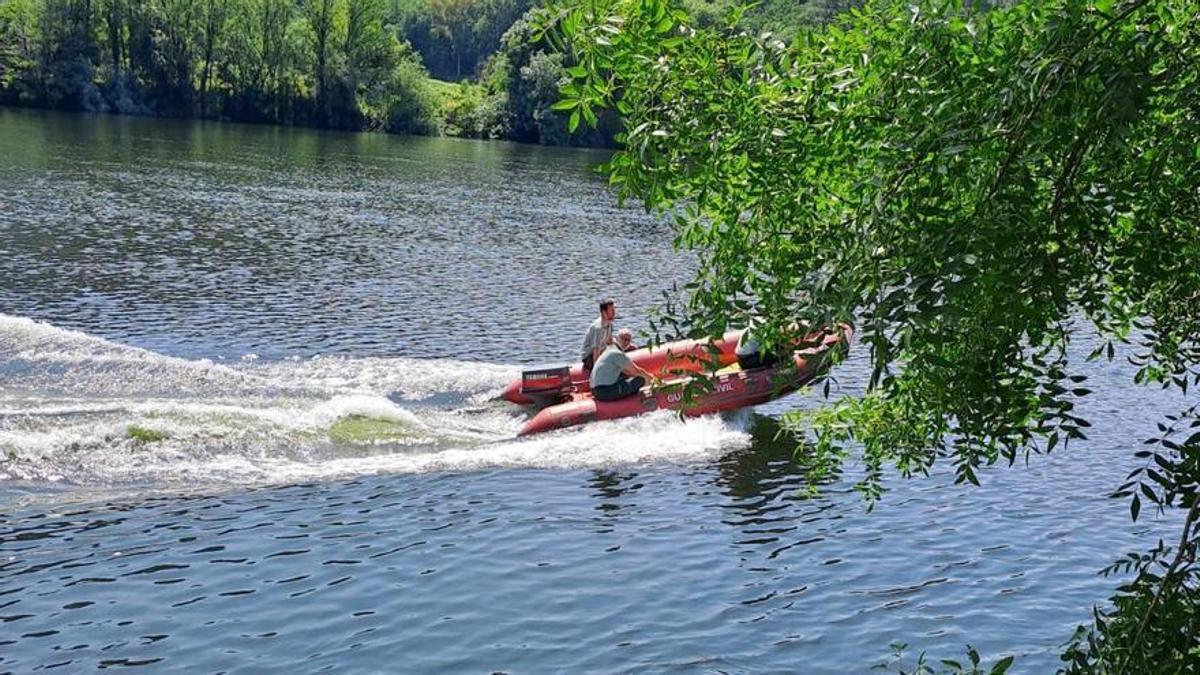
{"type": "Point", "coordinates": [247, 423]}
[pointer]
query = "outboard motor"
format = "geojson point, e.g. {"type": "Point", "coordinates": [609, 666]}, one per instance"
{"type": "Point", "coordinates": [546, 385]}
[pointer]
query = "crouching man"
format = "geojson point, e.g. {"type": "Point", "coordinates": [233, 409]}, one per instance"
{"type": "Point", "coordinates": [614, 376]}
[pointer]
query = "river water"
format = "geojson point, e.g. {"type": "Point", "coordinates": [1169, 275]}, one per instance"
{"type": "Point", "coordinates": [247, 423]}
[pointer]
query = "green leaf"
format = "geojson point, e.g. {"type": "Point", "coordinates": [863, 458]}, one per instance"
{"type": "Point", "coordinates": [1149, 493]}
{"type": "Point", "coordinates": [1002, 666]}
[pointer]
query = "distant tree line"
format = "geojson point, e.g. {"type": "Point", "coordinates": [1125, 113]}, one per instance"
{"type": "Point", "coordinates": [328, 63]}
{"type": "Point", "coordinates": [343, 64]}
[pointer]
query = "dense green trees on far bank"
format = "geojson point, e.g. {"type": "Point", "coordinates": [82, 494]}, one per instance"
{"type": "Point", "coordinates": [343, 64]}
{"type": "Point", "coordinates": [455, 37]}
{"type": "Point", "coordinates": [329, 63]}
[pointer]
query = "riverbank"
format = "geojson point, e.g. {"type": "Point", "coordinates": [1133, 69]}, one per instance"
{"type": "Point", "coordinates": [455, 109]}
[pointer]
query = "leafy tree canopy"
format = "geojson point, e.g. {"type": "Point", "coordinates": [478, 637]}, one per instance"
{"type": "Point", "coordinates": [972, 189]}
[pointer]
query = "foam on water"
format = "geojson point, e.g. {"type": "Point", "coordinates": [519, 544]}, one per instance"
{"type": "Point", "coordinates": [411, 379]}
{"type": "Point", "coordinates": [37, 356]}
{"type": "Point", "coordinates": [80, 409]}
{"type": "Point", "coordinates": [658, 437]}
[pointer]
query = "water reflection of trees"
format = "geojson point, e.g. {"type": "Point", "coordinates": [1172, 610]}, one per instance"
{"type": "Point", "coordinates": [768, 466]}
{"type": "Point", "coordinates": [768, 506]}
{"type": "Point", "coordinates": [611, 486]}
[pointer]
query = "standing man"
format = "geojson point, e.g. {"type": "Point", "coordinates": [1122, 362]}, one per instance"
{"type": "Point", "coordinates": [599, 334]}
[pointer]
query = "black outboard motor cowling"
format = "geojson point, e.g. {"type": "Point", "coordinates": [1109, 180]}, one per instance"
{"type": "Point", "coordinates": [547, 384]}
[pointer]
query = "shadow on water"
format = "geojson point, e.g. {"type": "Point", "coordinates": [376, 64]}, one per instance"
{"type": "Point", "coordinates": [768, 504]}
{"type": "Point", "coordinates": [611, 487]}
{"type": "Point", "coordinates": [768, 466]}
{"type": "Point", "coordinates": [767, 471]}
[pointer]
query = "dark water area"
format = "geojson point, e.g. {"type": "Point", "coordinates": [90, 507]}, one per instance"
{"type": "Point", "coordinates": [246, 423]}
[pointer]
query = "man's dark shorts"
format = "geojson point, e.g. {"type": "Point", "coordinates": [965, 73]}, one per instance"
{"type": "Point", "coordinates": [757, 360]}
{"type": "Point", "coordinates": [623, 387]}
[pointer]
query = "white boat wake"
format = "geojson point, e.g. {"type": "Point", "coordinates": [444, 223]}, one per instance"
{"type": "Point", "coordinates": [79, 409]}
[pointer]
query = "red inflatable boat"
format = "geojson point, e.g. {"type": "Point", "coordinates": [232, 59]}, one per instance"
{"type": "Point", "coordinates": [568, 400]}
